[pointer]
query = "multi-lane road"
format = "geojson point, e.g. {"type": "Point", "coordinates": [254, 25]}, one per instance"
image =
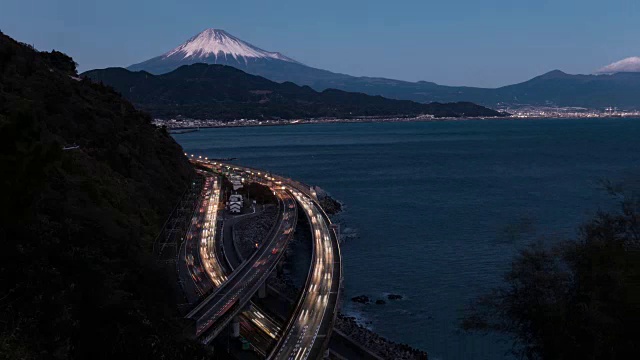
{"type": "Point", "coordinates": [230, 298]}
{"type": "Point", "coordinates": [202, 267]}
{"type": "Point", "coordinates": [191, 268]}
{"type": "Point", "coordinates": [307, 332]}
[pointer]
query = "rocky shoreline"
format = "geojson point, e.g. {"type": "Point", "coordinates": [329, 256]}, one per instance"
{"type": "Point", "coordinates": [375, 343]}
{"type": "Point", "coordinates": [330, 206]}
{"type": "Point", "coordinates": [347, 325]}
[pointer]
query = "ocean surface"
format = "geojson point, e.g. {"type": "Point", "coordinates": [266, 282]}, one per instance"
{"type": "Point", "coordinates": [435, 211]}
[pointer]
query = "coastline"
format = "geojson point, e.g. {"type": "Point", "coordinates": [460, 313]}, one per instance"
{"type": "Point", "coordinates": [205, 124]}
{"type": "Point", "coordinates": [202, 124]}
{"type": "Point", "coordinates": [350, 326]}
{"type": "Point", "coordinates": [346, 325]}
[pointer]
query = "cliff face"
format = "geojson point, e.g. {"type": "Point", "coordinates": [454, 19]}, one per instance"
{"type": "Point", "coordinates": [87, 182]}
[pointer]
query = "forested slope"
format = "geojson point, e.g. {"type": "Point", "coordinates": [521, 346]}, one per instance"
{"type": "Point", "coordinates": [77, 279]}
{"type": "Point", "coordinates": [202, 91]}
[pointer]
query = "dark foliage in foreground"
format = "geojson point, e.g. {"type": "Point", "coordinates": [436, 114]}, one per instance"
{"type": "Point", "coordinates": [221, 92]}
{"type": "Point", "coordinates": [77, 279]}
{"type": "Point", "coordinates": [578, 300]}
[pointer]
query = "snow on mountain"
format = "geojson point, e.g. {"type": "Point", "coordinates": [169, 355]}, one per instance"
{"type": "Point", "coordinates": [631, 64]}
{"type": "Point", "coordinates": [220, 44]}
{"type": "Point", "coordinates": [218, 47]}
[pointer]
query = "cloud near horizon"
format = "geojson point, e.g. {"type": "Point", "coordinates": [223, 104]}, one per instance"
{"type": "Point", "coordinates": [630, 64]}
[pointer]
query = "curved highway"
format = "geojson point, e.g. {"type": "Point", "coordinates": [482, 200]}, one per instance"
{"type": "Point", "coordinates": [307, 332]}
{"type": "Point", "coordinates": [231, 296]}
{"type": "Point", "coordinates": [199, 255]}
{"type": "Point", "coordinates": [192, 266]}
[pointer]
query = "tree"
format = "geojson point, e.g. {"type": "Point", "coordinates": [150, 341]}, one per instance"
{"type": "Point", "coordinates": [576, 300]}
{"type": "Point", "coordinates": [77, 276]}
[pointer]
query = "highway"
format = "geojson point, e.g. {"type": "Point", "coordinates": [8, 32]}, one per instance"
{"type": "Point", "coordinates": [191, 267]}
{"type": "Point", "coordinates": [199, 254]}
{"type": "Point", "coordinates": [227, 253]}
{"type": "Point", "coordinates": [232, 295]}
{"type": "Point", "coordinates": [208, 239]}
{"type": "Point", "coordinates": [307, 332]}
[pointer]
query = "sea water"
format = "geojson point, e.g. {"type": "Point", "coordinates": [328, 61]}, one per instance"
{"type": "Point", "coordinates": [435, 211]}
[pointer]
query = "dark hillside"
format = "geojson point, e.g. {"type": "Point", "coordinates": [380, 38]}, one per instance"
{"type": "Point", "coordinates": [76, 274]}
{"type": "Point", "coordinates": [202, 91]}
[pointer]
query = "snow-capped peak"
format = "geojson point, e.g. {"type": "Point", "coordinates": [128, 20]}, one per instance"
{"type": "Point", "coordinates": [630, 64]}
{"type": "Point", "coordinates": [219, 43]}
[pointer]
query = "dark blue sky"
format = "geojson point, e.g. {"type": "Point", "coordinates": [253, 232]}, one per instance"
{"type": "Point", "coordinates": [454, 42]}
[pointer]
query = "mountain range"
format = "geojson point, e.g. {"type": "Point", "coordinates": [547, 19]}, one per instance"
{"type": "Point", "coordinates": [203, 91]}
{"type": "Point", "coordinates": [615, 85]}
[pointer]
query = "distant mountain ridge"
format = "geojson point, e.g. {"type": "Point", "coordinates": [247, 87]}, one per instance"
{"type": "Point", "coordinates": [554, 88]}
{"type": "Point", "coordinates": [614, 87]}
{"type": "Point", "coordinates": [202, 91]}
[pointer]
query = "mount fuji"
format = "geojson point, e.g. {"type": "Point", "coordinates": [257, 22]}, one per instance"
{"type": "Point", "coordinates": [615, 85]}
{"type": "Point", "coordinates": [215, 46]}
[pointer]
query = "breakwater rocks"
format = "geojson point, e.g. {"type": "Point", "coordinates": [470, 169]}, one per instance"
{"type": "Point", "coordinates": [330, 205]}
{"type": "Point", "coordinates": [369, 340]}
{"type": "Point", "coordinates": [364, 299]}
{"type": "Point", "coordinates": [375, 343]}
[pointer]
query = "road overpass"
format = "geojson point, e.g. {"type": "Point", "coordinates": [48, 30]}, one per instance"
{"type": "Point", "coordinates": [200, 267]}
{"type": "Point", "coordinates": [231, 296]}
{"type": "Point", "coordinates": [307, 332]}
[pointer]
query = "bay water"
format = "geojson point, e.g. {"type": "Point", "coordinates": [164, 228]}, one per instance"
{"type": "Point", "coordinates": [435, 211]}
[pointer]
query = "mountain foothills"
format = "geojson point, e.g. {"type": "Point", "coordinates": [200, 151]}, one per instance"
{"type": "Point", "coordinates": [87, 182]}
{"type": "Point", "coordinates": [615, 86]}
{"type": "Point", "coordinates": [202, 91]}
{"type": "Point", "coordinates": [554, 88]}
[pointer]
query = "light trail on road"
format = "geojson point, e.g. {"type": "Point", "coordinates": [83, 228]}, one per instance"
{"type": "Point", "coordinates": [208, 238]}
{"type": "Point", "coordinates": [304, 330]}
{"type": "Point", "coordinates": [306, 335]}
{"type": "Point", "coordinates": [238, 289]}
